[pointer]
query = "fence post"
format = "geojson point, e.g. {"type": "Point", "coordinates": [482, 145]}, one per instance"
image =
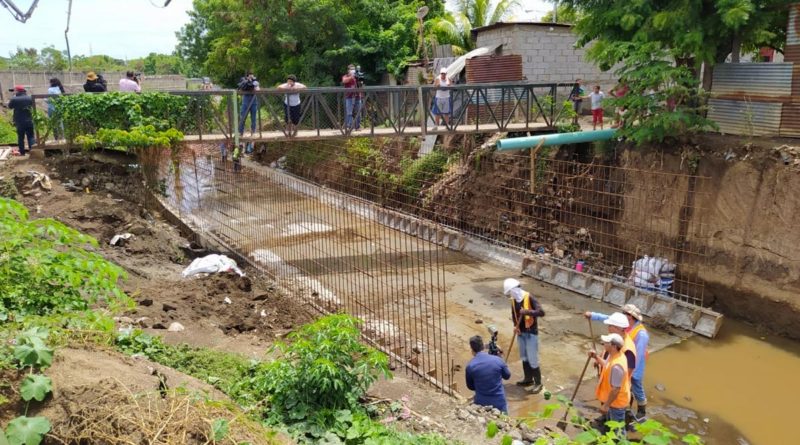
{"type": "Point", "coordinates": [424, 112]}
{"type": "Point", "coordinates": [234, 119]}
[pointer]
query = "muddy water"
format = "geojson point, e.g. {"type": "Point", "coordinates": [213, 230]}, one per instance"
{"type": "Point", "coordinates": [744, 383]}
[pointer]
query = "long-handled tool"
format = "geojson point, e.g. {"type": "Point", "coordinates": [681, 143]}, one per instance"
{"type": "Point", "coordinates": [562, 424]}
{"type": "Point", "coordinates": [508, 351]}
{"type": "Point", "coordinates": [594, 342]}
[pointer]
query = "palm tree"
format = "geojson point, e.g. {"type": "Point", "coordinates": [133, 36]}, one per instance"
{"type": "Point", "coordinates": [455, 28]}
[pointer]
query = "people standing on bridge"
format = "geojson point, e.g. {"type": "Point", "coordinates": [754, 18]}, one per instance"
{"type": "Point", "coordinates": [22, 104]}
{"type": "Point", "coordinates": [636, 333]}
{"type": "Point", "coordinates": [94, 83]}
{"type": "Point", "coordinates": [596, 98]}
{"type": "Point", "coordinates": [56, 89]}
{"type": "Point", "coordinates": [352, 100]}
{"type": "Point", "coordinates": [613, 387]}
{"type": "Point", "coordinates": [525, 312]}
{"type": "Point", "coordinates": [485, 374]}
{"type": "Point", "coordinates": [576, 96]}
{"type": "Point", "coordinates": [442, 104]}
{"type": "Point", "coordinates": [291, 103]}
{"type": "Point", "coordinates": [248, 85]}
{"type": "Point", "coordinates": [130, 83]}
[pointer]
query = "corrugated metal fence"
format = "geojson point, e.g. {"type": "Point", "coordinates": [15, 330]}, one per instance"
{"type": "Point", "coordinates": [756, 99]}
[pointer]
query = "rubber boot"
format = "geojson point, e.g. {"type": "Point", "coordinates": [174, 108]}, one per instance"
{"type": "Point", "coordinates": [641, 412]}
{"type": "Point", "coordinates": [537, 381]}
{"type": "Point", "coordinates": [528, 380]}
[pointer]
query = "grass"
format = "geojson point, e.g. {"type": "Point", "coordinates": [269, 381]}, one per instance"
{"type": "Point", "coordinates": [8, 134]}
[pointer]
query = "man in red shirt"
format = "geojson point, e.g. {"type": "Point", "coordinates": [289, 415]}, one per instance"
{"type": "Point", "coordinates": [352, 100]}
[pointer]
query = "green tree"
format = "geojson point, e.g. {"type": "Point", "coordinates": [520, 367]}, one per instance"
{"type": "Point", "coordinates": [566, 14]}
{"type": "Point", "coordinates": [25, 59]}
{"type": "Point", "coordinates": [52, 59]}
{"type": "Point", "coordinates": [456, 27]}
{"type": "Point", "coordinates": [314, 39]}
{"type": "Point", "coordinates": [693, 32]}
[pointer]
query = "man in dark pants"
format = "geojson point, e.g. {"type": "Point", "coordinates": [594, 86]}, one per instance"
{"type": "Point", "coordinates": [485, 374]}
{"type": "Point", "coordinates": [22, 104]}
{"type": "Point", "coordinates": [526, 311]}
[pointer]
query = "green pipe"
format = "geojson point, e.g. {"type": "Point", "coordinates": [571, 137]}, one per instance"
{"type": "Point", "coordinates": [555, 139]}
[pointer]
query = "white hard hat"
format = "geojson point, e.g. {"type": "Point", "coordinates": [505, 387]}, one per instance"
{"type": "Point", "coordinates": [613, 338]}
{"type": "Point", "coordinates": [617, 319]}
{"type": "Point", "coordinates": [508, 284]}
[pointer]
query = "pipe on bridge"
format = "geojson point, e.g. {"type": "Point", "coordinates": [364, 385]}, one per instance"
{"type": "Point", "coordinates": [555, 139]}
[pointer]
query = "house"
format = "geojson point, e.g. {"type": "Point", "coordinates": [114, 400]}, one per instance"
{"type": "Point", "coordinates": [548, 52]}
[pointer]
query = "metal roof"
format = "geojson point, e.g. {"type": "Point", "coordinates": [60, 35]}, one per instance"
{"type": "Point", "coordinates": [475, 31]}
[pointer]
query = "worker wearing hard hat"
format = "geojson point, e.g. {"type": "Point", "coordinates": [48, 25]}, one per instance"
{"type": "Point", "coordinates": [525, 311]}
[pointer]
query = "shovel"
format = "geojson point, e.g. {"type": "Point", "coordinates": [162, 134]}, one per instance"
{"type": "Point", "coordinates": [594, 343]}
{"type": "Point", "coordinates": [562, 424]}
{"type": "Point", "coordinates": [508, 351]}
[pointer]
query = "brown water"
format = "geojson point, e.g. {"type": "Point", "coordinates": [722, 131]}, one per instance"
{"type": "Point", "coordinates": [744, 383]}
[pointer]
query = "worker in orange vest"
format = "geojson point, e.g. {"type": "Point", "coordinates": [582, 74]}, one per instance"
{"type": "Point", "coordinates": [638, 335]}
{"type": "Point", "coordinates": [617, 323]}
{"type": "Point", "coordinates": [525, 311]}
{"type": "Point", "coordinates": [614, 386]}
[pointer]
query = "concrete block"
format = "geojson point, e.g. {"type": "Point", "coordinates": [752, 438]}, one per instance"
{"type": "Point", "coordinates": [708, 323]}
{"type": "Point", "coordinates": [616, 295]}
{"type": "Point", "coordinates": [596, 289]}
{"type": "Point", "coordinates": [580, 282]}
{"type": "Point", "coordinates": [546, 272]}
{"type": "Point", "coordinates": [662, 307]}
{"type": "Point", "coordinates": [684, 317]}
{"type": "Point", "coordinates": [642, 299]}
{"type": "Point", "coordinates": [561, 277]}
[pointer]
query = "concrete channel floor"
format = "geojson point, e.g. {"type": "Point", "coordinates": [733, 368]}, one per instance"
{"type": "Point", "coordinates": [335, 249]}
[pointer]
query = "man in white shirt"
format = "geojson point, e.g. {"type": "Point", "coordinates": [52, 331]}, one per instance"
{"type": "Point", "coordinates": [441, 103]}
{"type": "Point", "coordinates": [597, 97]}
{"type": "Point", "coordinates": [130, 83]}
{"type": "Point", "coordinates": [291, 103]}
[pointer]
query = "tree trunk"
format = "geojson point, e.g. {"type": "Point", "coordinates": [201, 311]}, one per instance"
{"type": "Point", "coordinates": [736, 48]}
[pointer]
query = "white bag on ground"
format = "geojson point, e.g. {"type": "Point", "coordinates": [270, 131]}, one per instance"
{"type": "Point", "coordinates": [211, 264]}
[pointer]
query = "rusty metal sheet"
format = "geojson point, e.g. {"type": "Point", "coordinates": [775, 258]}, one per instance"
{"type": "Point", "coordinates": [790, 121]}
{"type": "Point", "coordinates": [485, 69]}
{"type": "Point", "coordinates": [769, 79]}
{"type": "Point", "coordinates": [746, 118]}
{"type": "Point", "coordinates": [793, 28]}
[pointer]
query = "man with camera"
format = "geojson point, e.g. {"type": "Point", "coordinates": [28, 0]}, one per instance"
{"type": "Point", "coordinates": [95, 83]}
{"type": "Point", "coordinates": [485, 374]}
{"type": "Point", "coordinates": [353, 79]}
{"type": "Point", "coordinates": [130, 83]}
{"type": "Point", "coordinates": [248, 85]}
{"type": "Point", "coordinates": [22, 104]}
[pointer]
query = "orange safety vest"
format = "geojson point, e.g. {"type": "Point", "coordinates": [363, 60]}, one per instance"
{"type": "Point", "coordinates": [634, 332]}
{"type": "Point", "coordinates": [604, 385]}
{"type": "Point", "coordinates": [526, 304]}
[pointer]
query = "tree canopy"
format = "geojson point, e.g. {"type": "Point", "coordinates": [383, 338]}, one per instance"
{"type": "Point", "coordinates": [692, 32]}
{"type": "Point", "coordinates": [456, 28]}
{"type": "Point", "coordinates": [51, 59]}
{"type": "Point", "coordinates": [313, 39]}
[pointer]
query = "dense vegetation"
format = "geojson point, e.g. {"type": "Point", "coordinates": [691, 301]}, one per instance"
{"type": "Point", "coordinates": [53, 60]}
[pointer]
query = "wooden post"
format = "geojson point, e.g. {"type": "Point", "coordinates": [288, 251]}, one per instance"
{"type": "Point", "coordinates": [534, 152]}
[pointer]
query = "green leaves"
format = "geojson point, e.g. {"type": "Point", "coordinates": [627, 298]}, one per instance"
{"type": "Point", "coordinates": [35, 387]}
{"type": "Point", "coordinates": [27, 430]}
{"type": "Point", "coordinates": [491, 429]}
{"type": "Point", "coordinates": [31, 350]}
{"type": "Point", "coordinates": [219, 429]}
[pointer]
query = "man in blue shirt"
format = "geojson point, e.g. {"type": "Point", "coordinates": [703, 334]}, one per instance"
{"type": "Point", "coordinates": [485, 375]}
{"type": "Point", "coordinates": [641, 338]}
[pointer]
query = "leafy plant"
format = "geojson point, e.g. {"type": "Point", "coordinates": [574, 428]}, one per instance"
{"type": "Point", "coordinates": [31, 351]}
{"type": "Point", "coordinates": [8, 133]}
{"type": "Point", "coordinates": [47, 267]}
{"type": "Point", "coordinates": [422, 172]}
{"type": "Point", "coordinates": [27, 430]}
{"type": "Point", "coordinates": [219, 429]}
{"type": "Point", "coordinates": [136, 138]}
{"type": "Point", "coordinates": [35, 387]}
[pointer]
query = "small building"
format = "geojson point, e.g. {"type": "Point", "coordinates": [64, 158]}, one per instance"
{"type": "Point", "coordinates": [548, 52]}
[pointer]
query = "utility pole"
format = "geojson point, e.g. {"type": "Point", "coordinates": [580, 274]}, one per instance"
{"type": "Point", "coordinates": [66, 35]}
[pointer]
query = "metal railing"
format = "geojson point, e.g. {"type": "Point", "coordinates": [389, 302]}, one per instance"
{"type": "Point", "coordinates": [325, 113]}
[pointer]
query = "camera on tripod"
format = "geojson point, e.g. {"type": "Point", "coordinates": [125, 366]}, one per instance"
{"type": "Point", "coordinates": [493, 349]}
{"type": "Point", "coordinates": [360, 76]}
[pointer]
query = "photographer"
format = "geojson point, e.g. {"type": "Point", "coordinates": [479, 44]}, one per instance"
{"type": "Point", "coordinates": [22, 104]}
{"type": "Point", "coordinates": [248, 85]}
{"type": "Point", "coordinates": [94, 83]}
{"type": "Point", "coordinates": [130, 83]}
{"type": "Point", "coordinates": [353, 79]}
{"type": "Point", "coordinates": [485, 374]}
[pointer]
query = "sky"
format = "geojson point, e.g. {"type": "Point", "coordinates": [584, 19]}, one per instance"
{"type": "Point", "coordinates": [124, 29]}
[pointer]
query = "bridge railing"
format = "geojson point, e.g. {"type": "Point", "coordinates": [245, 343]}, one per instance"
{"type": "Point", "coordinates": [337, 112]}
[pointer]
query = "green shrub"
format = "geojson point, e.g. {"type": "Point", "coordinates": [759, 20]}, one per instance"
{"type": "Point", "coordinates": [46, 267]}
{"type": "Point", "coordinates": [8, 133]}
{"type": "Point", "coordinates": [423, 171]}
{"type": "Point", "coordinates": [133, 139]}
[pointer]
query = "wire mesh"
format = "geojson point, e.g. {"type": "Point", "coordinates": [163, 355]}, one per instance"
{"type": "Point", "coordinates": [567, 210]}
{"type": "Point", "coordinates": [336, 259]}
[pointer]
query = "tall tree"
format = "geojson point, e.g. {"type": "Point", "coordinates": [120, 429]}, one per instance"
{"type": "Point", "coordinates": [566, 13]}
{"type": "Point", "coordinates": [314, 39]}
{"type": "Point", "coordinates": [693, 32]}
{"type": "Point", "coordinates": [456, 27]}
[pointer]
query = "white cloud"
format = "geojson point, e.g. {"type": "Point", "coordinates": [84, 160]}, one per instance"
{"type": "Point", "coordinates": [119, 28]}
